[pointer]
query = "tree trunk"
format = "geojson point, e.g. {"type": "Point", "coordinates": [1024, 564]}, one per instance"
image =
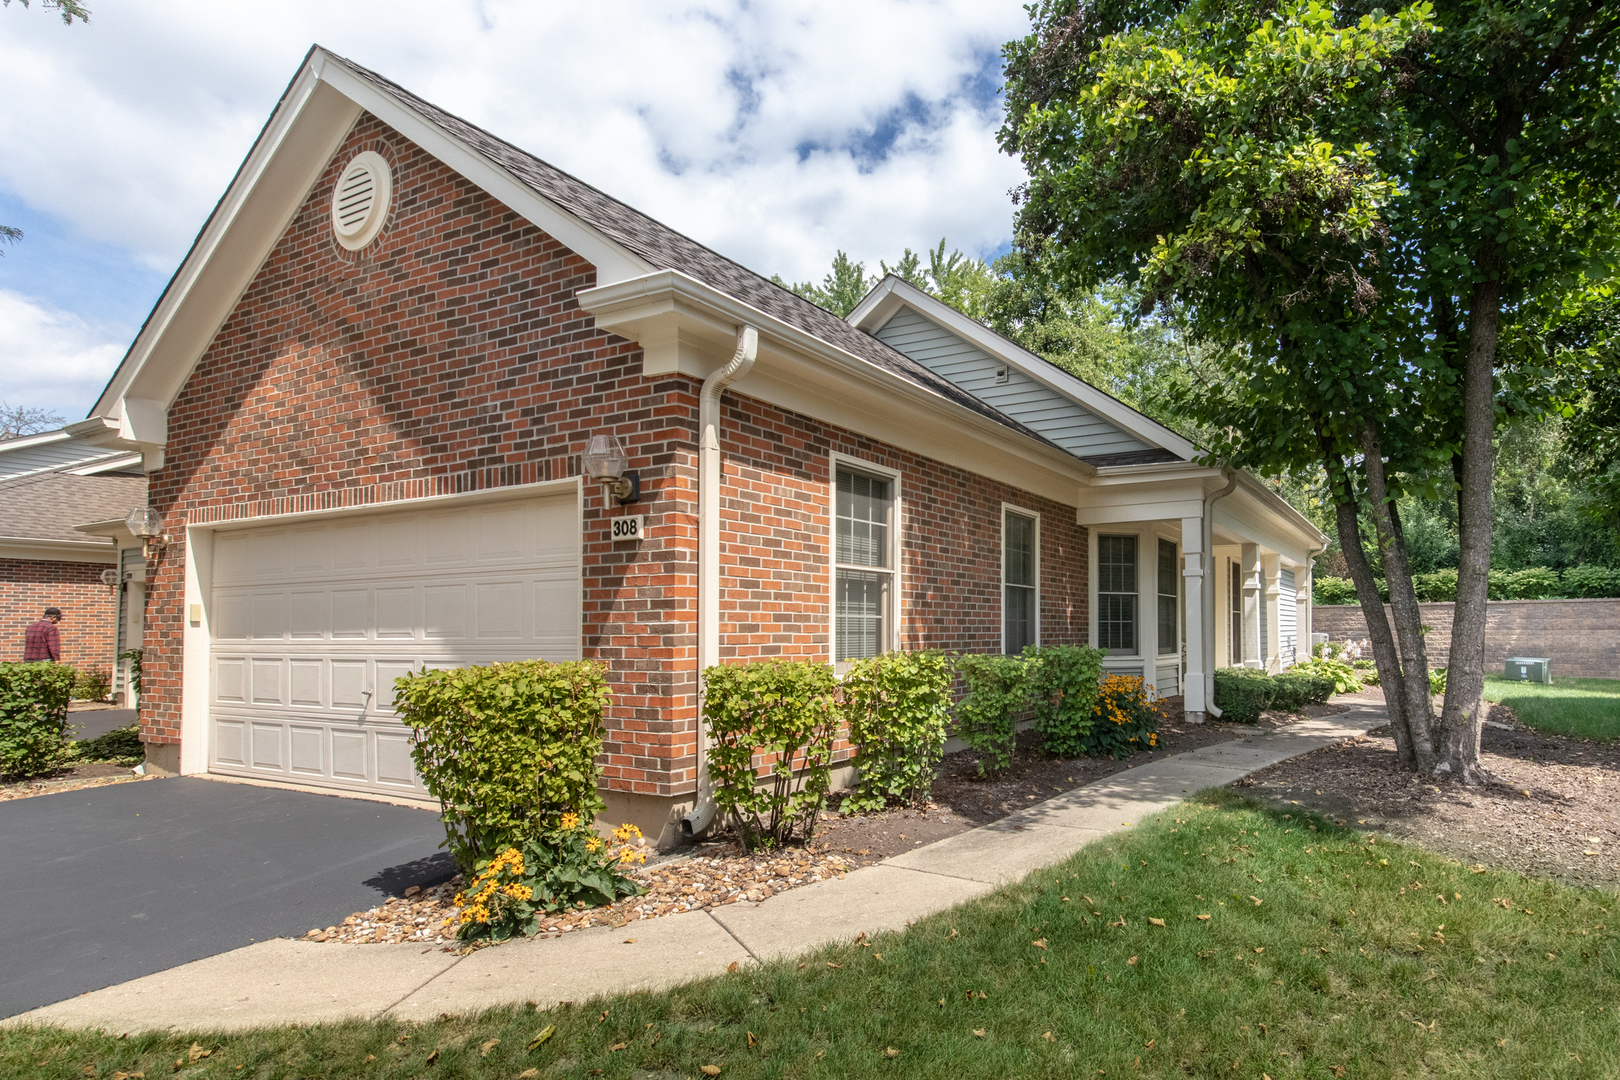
{"type": "Point", "coordinates": [1461, 715]}
{"type": "Point", "coordinates": [1372, 608]}
{"type": "Point", "coordinates": [1414, 656]}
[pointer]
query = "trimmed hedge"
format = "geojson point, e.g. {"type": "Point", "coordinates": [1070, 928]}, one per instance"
{"type": "Point", "coordinates": [33, 717]}
{"type": "Point", "coordinates": [785, 713]}
{"type": "Point", "coordinates": [1531, 583]}
{"type": "Point", "coordinates": [1063, 682]}
{"type": "Point", "coordinates": [898, 706]}
{"type": "Point", "coordinates": [1243, 693]}
{"type": "Point", "coordinates": [987, 715]}
{"type": "Point", "coordinates": [507, 749]}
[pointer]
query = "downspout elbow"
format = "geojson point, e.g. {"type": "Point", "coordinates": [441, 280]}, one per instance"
{"type": "Point", "coordinates": [697, 822]}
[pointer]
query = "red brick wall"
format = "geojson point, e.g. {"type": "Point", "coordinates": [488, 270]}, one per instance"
{"type": "Point", "coordinates": [447, 356]}
{"type": "Point", "coordinates": [776, 592]}
{"type": "Point", "coordinates": [451, 356]}
{"type": "Point", "coordinates": [89, 608]}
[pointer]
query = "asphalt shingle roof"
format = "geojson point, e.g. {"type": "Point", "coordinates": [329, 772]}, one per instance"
{"type": "Point", "coordinates": [47, 507]}
{"type": "Point", "coordinates": [663, 247]}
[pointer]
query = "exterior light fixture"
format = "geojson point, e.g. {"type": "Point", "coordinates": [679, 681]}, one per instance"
{"type": "Point", "coordinates": [605, 460]}
{"type": "Point", "coordinates": [146, 525]}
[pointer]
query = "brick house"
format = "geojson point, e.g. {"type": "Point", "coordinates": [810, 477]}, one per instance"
{"type": "Point", "coordinates": [62, 500]}
{"type": "Point", "coordinates": [363, 405]}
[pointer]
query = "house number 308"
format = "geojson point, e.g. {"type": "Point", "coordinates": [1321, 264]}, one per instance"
{"type": "Point", "coordinates": [628, 528]}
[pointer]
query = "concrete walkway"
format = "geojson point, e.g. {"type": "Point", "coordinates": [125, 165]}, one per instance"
{"type": "Point", "coordinates": [285, 981]}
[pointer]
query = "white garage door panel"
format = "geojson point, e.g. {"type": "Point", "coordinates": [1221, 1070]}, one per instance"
{"type": "Point", "coordinates": [314, 622]}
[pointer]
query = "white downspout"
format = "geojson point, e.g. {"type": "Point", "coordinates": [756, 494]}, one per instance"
{"type": "Point", "coordinates": [701, 816]}
{"type": "Point", "coordinates": [1209, 589]}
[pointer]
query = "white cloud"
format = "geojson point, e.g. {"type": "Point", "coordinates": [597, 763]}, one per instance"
{"type": "Point", "coordinates": [51, 357]}
{"type": "Point", "coordinates": [773, 134]}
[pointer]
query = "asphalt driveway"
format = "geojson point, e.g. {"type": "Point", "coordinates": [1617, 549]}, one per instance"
{"type": "Point", "coordinates": [102, 885]}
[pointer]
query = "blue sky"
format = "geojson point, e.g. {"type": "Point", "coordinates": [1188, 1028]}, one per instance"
{"type": "Point", "coordinates": [776, 134]}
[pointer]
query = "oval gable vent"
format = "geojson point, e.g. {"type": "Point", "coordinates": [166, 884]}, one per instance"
{"type": "Point", "coordinates": [360, 202]}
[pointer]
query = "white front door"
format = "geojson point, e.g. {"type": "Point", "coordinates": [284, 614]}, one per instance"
{"type": "Point", "coordinates": [313, 621]}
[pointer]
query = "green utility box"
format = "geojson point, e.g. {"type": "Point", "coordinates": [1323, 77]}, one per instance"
{"type": "Point", "coordinates": [1529, 669]}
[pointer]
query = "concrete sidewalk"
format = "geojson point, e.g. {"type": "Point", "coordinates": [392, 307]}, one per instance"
{"type": "Point", "coordinates": [284, 981]}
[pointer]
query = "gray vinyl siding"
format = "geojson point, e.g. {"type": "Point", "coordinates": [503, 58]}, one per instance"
{"type": "Point", "coordinates": [43, 457]}
{"type": "Point", "coordinates": [1287, 619]}
{"type": "Point", "coordinates": [1036, 406]}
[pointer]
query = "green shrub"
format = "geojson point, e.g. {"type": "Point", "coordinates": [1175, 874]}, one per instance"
{"type": "Point", "coordinates": [987, 715]}
{"type": "Point", "coordinates": [898, 707]}
{"type": "Point", "coordinates": [570, 867]}
{"type": "Point", "coordinates": [134, 658]}
{"type": "Point", "coordinates": [1534, 583]}
{"type": "Point", "coordinates": [1346, 679]}
{"type": "Point", "coordinates": [92, 684]}
{"type": "Point", "coordinates": [1593, 582]}
{"type": "Point", "coordinates": [1242, 693]}
{"type": "Point", "coordinates": [507, 749]}
{"type": "Point", "coordinates": [1439, 587]}
{"type": "Point", "coordinates": [779, 715]}
{"type": "Point", "coordinates": [1123, 719]}
{"type": "Point", "coordinates": [119, 744]}
{"type": "Point", "coordinates": [1063, 683]}
{"type": "Point", "coordinates": [1437, 682]}
{"type": "Point", "coordinates": [1328, 591]}
{"type": "Point", "coordinates": [1294, 689]}
{"type": "Point", "coordinates": [33, 718]}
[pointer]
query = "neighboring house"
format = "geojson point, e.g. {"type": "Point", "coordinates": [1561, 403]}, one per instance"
{"type": "Point", "coordinates": [363, 402]}
{"type": "Point", "coordinates": [50, 484]}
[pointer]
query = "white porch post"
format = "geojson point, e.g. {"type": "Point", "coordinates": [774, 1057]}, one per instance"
{"type": "Point", "coordinates": [1251, 606]}
{"type": "Point", "coordinates": [1271, 568]}
{"type": "Point", "coordinates": [1194, 559]}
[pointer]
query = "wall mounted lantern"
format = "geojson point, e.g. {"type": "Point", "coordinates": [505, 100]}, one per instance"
{"type": "Point", "coordinates": [605, 460]}
{"type": "Point", "coordinates": [146, 524]}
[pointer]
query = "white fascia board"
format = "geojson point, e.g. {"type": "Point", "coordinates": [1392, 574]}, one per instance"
{"type": "Point", "coordinates": [613, 262]}
{"type": "Point", "coordinates": [26, 547]}
{"type": "Point", "coordinates": [22, 442]}
{"type": "Point", "coordinates": [1249, 520]}
{"type": "Point", "coordinates": [267, 191]}
{"type": "Point", "coordinates": [107, 463]}
{"type": "Point", "coordinates": [799, 371]}
{"type": "Point", "coordinates": [114, 528]}
{"type": "Point", "coordinates": [1278, 507]}
{"type": "Point", "coordinates": [881, 304]}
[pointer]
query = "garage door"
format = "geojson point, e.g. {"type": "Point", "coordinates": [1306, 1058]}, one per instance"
{"type": "Point", "coordinates": [312, 622]}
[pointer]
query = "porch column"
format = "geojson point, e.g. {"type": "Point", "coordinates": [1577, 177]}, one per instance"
{"type": "Point", "coordinates": [1192, 573]}
{"type": "Point", "coordinates": [1251, 606]}
{"type": "Point", "coordinates": [1271, 567]}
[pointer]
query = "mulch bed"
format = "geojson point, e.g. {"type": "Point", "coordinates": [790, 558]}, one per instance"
{"type": "Point", "coordinates": [718, 872]}
{"type": "Point", "coordinates": [90, 774]}
{"type": "Point", "coordinates": [1552, 811]}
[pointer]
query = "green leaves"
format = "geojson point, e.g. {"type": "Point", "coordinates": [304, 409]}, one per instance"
{"type": "Point", "coordinates": [986, 717]}
{"type": "Point", "coordinates": [1063, 686]}
{"type": "Point", "coordinates": [897, 706]}
{"type": "Point", "coordinates": [33, 717]}
{"type": "Point", "coordinates": [507, 749]}
{"type": "Point", "coordinates": [779, 718]}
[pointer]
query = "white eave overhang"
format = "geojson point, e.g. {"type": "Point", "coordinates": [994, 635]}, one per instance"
{"type": "Point", "coordinates": [685, 326]}
{"type": "Point", "coordinates": [30, 547]}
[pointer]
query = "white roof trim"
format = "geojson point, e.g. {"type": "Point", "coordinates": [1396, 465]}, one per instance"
{"type": "Point", "coordinates": [22, 442]}
{"type": "Point", "coordinates": [885, 300]}
{"type": "Point", "coordinates": [317, 112]}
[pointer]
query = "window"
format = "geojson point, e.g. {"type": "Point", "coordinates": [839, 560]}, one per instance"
{"type": "Point", "coordinates": [1234, 642]}
{"type": "Point", "coordinates": [1116, 593]}
{"type": "Point", "coordinates": [1169, 640]}
{"type": "Point", "coordinates": [863, 576]}
{"type": "Point", "coordinates": [1020, 606]}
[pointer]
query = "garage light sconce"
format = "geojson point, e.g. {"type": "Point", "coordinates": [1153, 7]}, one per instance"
{"type": "Point", "coordinates": [605, 462]}
{"type": "Point", "coordinates": [146, 524]}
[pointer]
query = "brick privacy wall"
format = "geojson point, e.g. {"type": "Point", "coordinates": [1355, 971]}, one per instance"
{"type": "Point", "coordinates": [1581, 637]}
{"type": "Point", "coordinates": [447, 356]}
{"type": "Point", "coordinates": [89, 608]}
{"type": "Point", "coordinates": [777, 503]}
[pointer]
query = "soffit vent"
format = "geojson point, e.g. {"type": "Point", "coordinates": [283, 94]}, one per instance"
{"type": "Point", "coordinates": [360, 202]}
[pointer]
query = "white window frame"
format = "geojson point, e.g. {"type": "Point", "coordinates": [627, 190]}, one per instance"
{"type": "Point", "coordinates": [1001, 577]}
{"type": "Point", "coordinates": [835, 461]}
{"type": "Point", "coordinates": [1142, 536]}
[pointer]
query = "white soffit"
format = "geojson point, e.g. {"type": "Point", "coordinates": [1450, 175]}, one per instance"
{"type": "Point", "coordinates": [316, 113]}
{"type": "Point", "coordinates": [891, 294]}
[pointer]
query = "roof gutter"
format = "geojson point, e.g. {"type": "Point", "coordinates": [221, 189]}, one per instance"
{"type": "Point", "coordinates": [697, 822]}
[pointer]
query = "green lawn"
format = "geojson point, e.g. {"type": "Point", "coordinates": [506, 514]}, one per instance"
{"type": "Point", "coordinates": [1323, 951]}
{"type": "Point", "coordinates": [1585, 708]}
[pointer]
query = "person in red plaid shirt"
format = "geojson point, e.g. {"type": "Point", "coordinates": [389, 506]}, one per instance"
{"type": "Point", "coordinates": [41, 641]}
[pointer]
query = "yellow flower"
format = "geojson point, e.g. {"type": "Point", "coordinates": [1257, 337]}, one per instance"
{"type": "Point", "coordinates": [570, 821]}
{"type": "Point", "coordinates": [593, 845]}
